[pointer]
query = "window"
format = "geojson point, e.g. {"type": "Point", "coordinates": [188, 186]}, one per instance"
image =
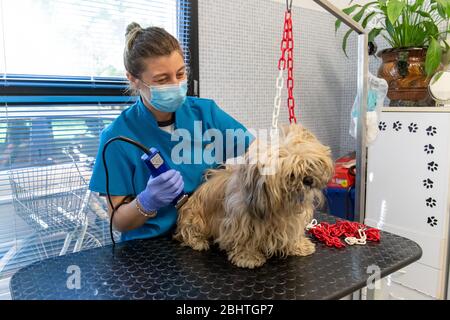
{"type": "Point", "coordinates": [2, 132]}
{"type": "Point", "coordinates": [62, 84]}
{"type": "Point", "coordinates": [73, 37]}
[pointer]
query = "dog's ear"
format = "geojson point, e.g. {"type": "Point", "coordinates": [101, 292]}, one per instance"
{"type": "Point", "coordinates": [255, 190]}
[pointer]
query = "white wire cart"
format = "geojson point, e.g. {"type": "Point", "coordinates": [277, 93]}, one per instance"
{"type": "Point", "coordinates": [54, 201]}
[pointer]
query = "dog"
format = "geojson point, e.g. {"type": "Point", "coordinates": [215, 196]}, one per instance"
{"type": "Point", "coordinates": [254, 216]}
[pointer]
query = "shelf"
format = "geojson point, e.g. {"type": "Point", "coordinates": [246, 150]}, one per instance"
{"type": "Point", "coordinates": [416, 109]}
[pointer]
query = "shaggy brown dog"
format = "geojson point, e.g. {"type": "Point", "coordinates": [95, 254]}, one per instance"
{"type": "Point", "coordinates": [253, 215]}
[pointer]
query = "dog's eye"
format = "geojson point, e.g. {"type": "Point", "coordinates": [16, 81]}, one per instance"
{"type": "Point", "coordinates": [292, 177]}
{"type": "Point", "coordinates": [308, 181]}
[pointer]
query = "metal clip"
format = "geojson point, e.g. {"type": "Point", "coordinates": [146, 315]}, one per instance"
{"type": "Point", "coordinates": [288, 5]}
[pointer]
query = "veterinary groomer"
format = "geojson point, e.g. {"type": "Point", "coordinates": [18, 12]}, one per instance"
{"type": "Point", "coordinates": [156, 70]}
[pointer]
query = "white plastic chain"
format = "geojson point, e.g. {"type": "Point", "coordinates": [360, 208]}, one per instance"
{"type": "Point", "coordinates": [353, 240]}
{"type": "Point", "coordinates": [277, 102]}
{"type": "Point", "coordinates": [311, 225]}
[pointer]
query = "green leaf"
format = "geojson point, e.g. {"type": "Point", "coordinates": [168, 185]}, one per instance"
{"type": "Point", "coordinates": [390, 28]}
{"type": "Point", "coordinates": [417, 5]}
{"type": "Point", "coordinates": [344, 42]}
{"type": "Point", "coordinates": [442, 3]}
{"type": "Point", "coordinates": [431, 28]}
{"type": "Point", "coordinates": [381, 3]}
{"type": "Point", "coordinates": [394, 9]}
{"type": "Point", "coordinates": [433, 59]}
{"type": "Point", "coordinates": [374, 33]}
{"type": "Point", "coordinates": [389, 40]}
{"type": "Point", "coordinates": [424, 14]}
{"type": "Point", "coordinates": [347, 11]}
{"type": "Point", "coordinates": [368, 18]}
{"type": "Point", "coordinates": [382, 6]}
{"type": "Point", "coordinates": [357, 17]}
{"type": "Point", "coordinates": [442, 8]}
{"type": "Point", "coordinates": [337, 24]}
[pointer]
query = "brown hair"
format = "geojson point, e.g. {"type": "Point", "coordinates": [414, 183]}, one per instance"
{"type": "Point", "coordinates": [142, 43]}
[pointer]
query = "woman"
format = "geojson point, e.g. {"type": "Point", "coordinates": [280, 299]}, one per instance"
{"type": "Point", "coordinates": [155, 68]}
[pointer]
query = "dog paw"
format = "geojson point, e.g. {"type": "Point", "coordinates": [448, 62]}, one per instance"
{"type": "Point", "coordinates": [248, 260]}
{"type": "Point", "coordinates": [303, 248]}
{"type": "Point", "coordinates": [200, 245]}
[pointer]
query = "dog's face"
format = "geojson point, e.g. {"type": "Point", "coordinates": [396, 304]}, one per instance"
{"type": "Point", "coordinates": [305, 164]}
{"type": "Point", "coordinates": [292, 174]}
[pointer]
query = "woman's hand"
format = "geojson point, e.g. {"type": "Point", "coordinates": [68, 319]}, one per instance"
{"type": "Point", "coordinates": [161, 190]}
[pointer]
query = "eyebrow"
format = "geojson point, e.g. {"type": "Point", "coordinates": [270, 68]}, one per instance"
{"type": "Point", "coordinates": [161, 75]}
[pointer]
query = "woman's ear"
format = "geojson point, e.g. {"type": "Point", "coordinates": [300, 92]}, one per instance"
{"type": "Point", "coordinates": [134, 82]}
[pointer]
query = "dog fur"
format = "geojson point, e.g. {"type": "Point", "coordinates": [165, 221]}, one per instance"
{"type": "Point", "coordinates": [254, 216]}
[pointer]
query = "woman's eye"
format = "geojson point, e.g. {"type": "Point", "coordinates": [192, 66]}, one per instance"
{"type": "Point", "coordinates": [181, 75]}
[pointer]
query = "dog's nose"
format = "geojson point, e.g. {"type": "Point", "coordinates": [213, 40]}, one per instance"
{"type": "Point", "coordinates": [308, 181]}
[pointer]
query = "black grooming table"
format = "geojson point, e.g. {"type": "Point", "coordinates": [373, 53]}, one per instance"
{"type": "Point", "coordinates": [162, 269]}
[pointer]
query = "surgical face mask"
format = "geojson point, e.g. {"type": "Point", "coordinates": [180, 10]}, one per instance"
{"type": "Point", "coordinates": [168, 98]}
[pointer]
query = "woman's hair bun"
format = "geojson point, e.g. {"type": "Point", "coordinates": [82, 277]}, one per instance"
{"type": "Point", "coordinates": [131, 27]}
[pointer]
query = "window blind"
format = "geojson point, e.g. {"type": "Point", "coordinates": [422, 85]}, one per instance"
{"type": "Point", "coordinates": [62, 82]}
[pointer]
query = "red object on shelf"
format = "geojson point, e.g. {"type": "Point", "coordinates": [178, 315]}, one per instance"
{"type": "Point", "coordinates": [344, 172]}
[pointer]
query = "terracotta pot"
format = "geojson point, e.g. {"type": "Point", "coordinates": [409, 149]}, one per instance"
{"type": "Point", "coordinates": [404, 71]}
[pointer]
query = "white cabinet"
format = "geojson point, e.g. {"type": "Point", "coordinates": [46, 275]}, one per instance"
{"type": "Point", "coordinates": [408, 194]}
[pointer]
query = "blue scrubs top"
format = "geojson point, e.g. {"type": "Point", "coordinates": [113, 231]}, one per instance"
{"type": "Point", "coordinates": [128, 175]}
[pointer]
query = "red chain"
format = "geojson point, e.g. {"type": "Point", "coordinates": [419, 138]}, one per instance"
{"type": "Point", "coordinates": [330, 233]}
{"type": "Point", "coordinates": [287, 46]}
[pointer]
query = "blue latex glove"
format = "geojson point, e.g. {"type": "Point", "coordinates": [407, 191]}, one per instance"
{"type": "Point", "coordinates": [161, 191]}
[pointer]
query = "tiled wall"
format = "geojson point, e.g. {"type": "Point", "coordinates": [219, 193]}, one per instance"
{"type": "Point", "coordinates": [239, 49]}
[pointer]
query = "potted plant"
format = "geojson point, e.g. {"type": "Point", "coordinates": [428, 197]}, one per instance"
{"type": "Point", "coordinates": [416, 31]}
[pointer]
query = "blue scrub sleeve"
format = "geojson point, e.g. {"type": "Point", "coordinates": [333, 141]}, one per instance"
{"type": "Point", "coordinates": [120, 169]}
{"type": "Point", "coordinates": [224, 121]}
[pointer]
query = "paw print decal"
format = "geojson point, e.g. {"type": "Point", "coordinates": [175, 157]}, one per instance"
{"type": "Point", "coordinates": [432, 221]}
{"type": "Point", "coordinates": [382, 126]}
{"type": "Point", "coordinates": [428, 183]}
{"type": "Point", "coordinates": [431, 202]}
{"type": "Point", "coordinates": [397, 126]}
{"type": "Point", "coordinates": [413, 127]}
{"type": "Point", "coordinates": [432, 166]}
{"type": "Point", "coordinates": [429, 149]}
{"type": "Point", "coordinates": [431, 131]}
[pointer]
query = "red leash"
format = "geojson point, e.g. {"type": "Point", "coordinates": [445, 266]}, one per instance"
{"type": "Point", "coordinates": [354, 233]}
